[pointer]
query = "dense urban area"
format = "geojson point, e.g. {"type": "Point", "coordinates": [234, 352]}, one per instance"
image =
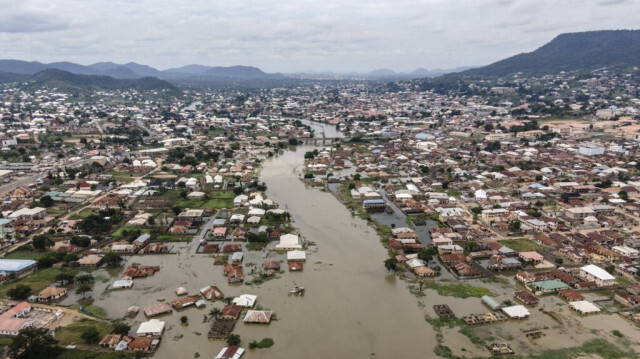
{"type": "Point", "coordinates": [411, 219]}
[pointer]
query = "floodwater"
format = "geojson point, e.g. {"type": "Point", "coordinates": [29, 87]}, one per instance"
{"type": "Point", "coordinates": [322, 128]}
{"type": "Point", "coordinates": [352, 307]}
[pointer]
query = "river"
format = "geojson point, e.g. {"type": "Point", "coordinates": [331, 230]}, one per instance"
{"type": "Point", "coordinates": [352, 309]}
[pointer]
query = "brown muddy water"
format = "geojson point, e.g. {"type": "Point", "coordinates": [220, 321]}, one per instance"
{"type": "Point", "coordinates": [352, 307]}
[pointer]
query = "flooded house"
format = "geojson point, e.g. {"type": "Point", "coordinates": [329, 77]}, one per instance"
{"type": "Point", "coordinates": [211, 292]}
{"type": "Point", "coordinates": [258, 316]}
{"type": "Point", "coordinates": [155, 310]}
{"type": "Point", "coordinates": [184, 302]}
{"type": "Point", "coordinates": [152, 328]}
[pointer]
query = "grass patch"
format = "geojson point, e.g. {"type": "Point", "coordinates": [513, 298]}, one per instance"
{"type": "Point", "coordinates": [95, 311]}
{"type": "Point", "coordinates": [174, 238]}
{"type": "Point", "coordinates": [459, 290]}
{"type": "Point", "coordinates": [25, 255]}
{"type": "Point", "coordinates": [623, 281]}
{"type": "Point", "coordinates": [472, 335]}
{"type": "Point", "coordinates": [81, 354]}
{"type": "Point", "coordinates": [72, 332]}
{"type": "Point", "coordinates": [445, 322]}
{"type": "Point", "coordinates": [264, 343]}
{"type": "Point", "coordinates": [38, 280]}
{"type": "Point", "coordinates": [255, 246]}
{"type": "Point", "coordinates": [522, 245]}
{"type": "Point", "coordinates": [599, 347]}
{"type": "Point", "coordinates": [82, 214]}
{"type": "Point", "coordinates": [118, 232]}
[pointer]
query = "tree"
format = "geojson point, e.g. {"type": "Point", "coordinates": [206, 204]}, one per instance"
{"type": "Point", "coordinates": [85, 278]}
{"type": "Point", "coordinates": [19, 292]}
{"type": "Point", "coordinates": [610, 268]}
{"type": "Point", "coordinates": [391, 264]}
{"type": "Point", "coordinates": [64, 278]}
{"type": "Point", "coordinates": [112, 259]}
{"type": "Point", "coordinates": [559, 261]}
{"type": "Point", "coordinates": [46, 201]}
{"type": "Point", "coordinates": [476, 210]}
{"type": "Point", "coordinates": [34, 343]}
{"type": "Point", "coordinates": [80, 241]}
{"type": "Point", "coordinates": [233, 339]}
{"type": "Point", "coordinates": [215, 312]}
{"type": "Point", "coordinates": [41, 242]}
{"type": "Point", "coordinates": [121, 328]}
{"type": "Point", "coordinates": [83, 289]}
{"type": "Point", "coordinates": [514, 226]}
{"type": "Point", "coordinates": [623, 195]}
{"type": "Point", "coordinates": [90, 335]}
{"type": "Point", "coordinates": [184, 320]}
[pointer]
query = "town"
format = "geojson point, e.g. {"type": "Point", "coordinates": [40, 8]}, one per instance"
{"type": "Point", "coordinates": [503, 215]}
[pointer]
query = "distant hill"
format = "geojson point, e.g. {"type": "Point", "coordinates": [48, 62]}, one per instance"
{"type": "Point", "coordinates": [190, 69]}
{"type": "Point", "coordinates": [7, 77]}
{"type": "Point", "coordinates": [582, 51]}
{"type": "Point", "coordinates": [236, 71]}
{"type": "Point", "coordinates": [67, 81]}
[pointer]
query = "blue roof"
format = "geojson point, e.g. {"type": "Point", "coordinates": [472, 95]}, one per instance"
{"type": "Point", "coordinates": [375, 151]}
{"type": "Point", "coordinates": [422, 136]}
{"type": "Point", "coordinates": [15, 265]}
{"type": "Point", "coordinates": [374, 201]}
{"type": "Point", "coordinates": [143, 238]}
{"type": "Point", "coordinates": [536, 185]}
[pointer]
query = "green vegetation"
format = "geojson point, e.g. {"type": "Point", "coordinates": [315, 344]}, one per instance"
{"type": "Point", "coordinates": [459, 290]}
{"type": "Point", "coordinates": [599, 347]}
{"type": "Point", "coordinates": [617, 333]}
{"type": "Point", "coordinates": [264, 343]}
{"type": "Point", "coordinates": [445, 322]}
{"type": "Point", "coordinates": [38, 280]}
{"type": "Point", "coordinates": [95, 311]}
{"type": "Point", "coordinates": [72, 334]}
{"type": "Point", "coordinates": [522, 245]}
{"type": "Point", "coordinates": [473, 336]}
{"type": "Point", "coordinates": [31, 343]}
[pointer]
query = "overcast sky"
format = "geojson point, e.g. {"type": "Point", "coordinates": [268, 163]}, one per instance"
{"type": "Point", "coordinates": [297, 35]}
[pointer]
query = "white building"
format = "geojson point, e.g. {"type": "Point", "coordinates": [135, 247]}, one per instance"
{"type": "Point", "coordinates": [591, 150]}
{"type": "Point", "coordinates": [593, 273]}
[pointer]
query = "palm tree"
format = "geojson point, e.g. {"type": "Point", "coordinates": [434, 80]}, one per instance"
{"type": "Point", "coordinates": [215, 312]}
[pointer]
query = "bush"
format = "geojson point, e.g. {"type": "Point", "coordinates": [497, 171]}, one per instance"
{"type": "Point", "coordinates": [19, 292]}
{"type": "Point", "coordinates": [264, 343]}
{"type": "Point", "coordinates": [90, 335]}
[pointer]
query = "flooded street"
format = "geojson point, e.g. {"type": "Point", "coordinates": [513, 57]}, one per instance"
{"type": "Point", "coordinates": [352, 307]}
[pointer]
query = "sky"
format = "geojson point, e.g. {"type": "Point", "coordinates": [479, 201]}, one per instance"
{"type": "Point", "coordinates": [297, 35]}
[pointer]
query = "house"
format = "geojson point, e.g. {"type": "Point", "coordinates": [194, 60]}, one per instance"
{"type": "Point", "coordinates": [151, 328]}
{"type": "Point", "coordinates": [122, 284]}
{"type": "Point", "coordinates": [211, 292]}
{"type": "Point", "coordinates": [17, 267]}
{"type": "Point", "coordinates": [28, 214]}
{"type": "Point", "coordinates": [584, 307]}
{"type": "Point", "coordinates": [184, 302]}
{"type": "Point", "coordinates": [289, 242]}
{"type": "Point", "coordinates": [230, 352]}
{"type": "Point", "coordinates": [143, 344]}
{"type": "Point", "coordinates": [516, 312]}
{"type": "Point", "coordinates": [91, 260]}
{"type": "Point", "coordinates": [296, 256]}
{"type": "Point", "coordinates": [258, 316]}
{"type": "Point", "coordinates": [51, 293]}
{"type": "Point", "coordinates": [596, 274]}
{"type": "Point", "coordinates": [531, 257]}
{"type": "Point", "coordinates": [245, 300]}
{"type": "Point", "coordinates": [157, 309]}
{"type": "Point", "coordinates": [526, 298]}
{"type": "Point", "coordinates": [110, 341]}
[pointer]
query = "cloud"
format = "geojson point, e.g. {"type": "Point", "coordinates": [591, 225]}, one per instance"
{"type": "Point", "coordinates": [25, 22]}
{"type": "Point", "coordinates": [289, 36]}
